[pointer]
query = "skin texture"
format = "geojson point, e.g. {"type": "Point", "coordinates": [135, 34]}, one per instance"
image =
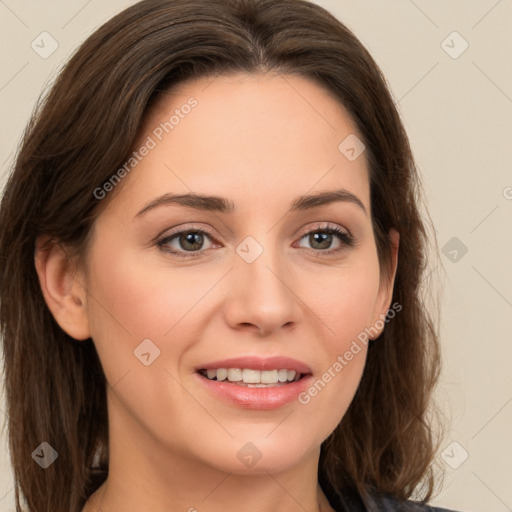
{"type": "Point", "coordinates": [173, 445]}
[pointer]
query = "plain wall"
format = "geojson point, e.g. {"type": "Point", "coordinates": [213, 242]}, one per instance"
{"type": "Point", "coordinates": [457, 110]}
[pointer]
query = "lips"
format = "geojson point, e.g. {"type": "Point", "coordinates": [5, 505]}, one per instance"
{"type": "Point", "coordinates": [258, 363]}
{"type": "Point", "coordinates": [255, 396]}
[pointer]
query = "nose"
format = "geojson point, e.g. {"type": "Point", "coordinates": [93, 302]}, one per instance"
{"type": "Point", "coordinates": [261, 295]}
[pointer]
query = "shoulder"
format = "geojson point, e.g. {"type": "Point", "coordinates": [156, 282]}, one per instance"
{"type": "Point", "coordinates": [383, 503]}
{"type": "Point", "coordinates": [387, 503]}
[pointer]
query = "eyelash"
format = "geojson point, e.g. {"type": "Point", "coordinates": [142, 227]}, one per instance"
{"type": "Point", "coordinates": [346, 239]}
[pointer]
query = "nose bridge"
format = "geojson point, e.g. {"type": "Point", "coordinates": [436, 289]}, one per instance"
{"type": "Point", "coordinates": [263, 297]}
{"type": "Point", "coordinates": [259, 265]}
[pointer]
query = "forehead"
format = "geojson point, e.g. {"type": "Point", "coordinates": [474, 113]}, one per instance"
{"type": "Point", "coordinates": [267, 135]}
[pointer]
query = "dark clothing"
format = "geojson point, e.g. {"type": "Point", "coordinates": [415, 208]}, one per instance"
{"type": "Point", "coordinates": [379, 503]}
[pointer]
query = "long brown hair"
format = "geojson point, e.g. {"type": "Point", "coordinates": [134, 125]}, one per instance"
{"type": "Point", "coordinates": [85, 128]}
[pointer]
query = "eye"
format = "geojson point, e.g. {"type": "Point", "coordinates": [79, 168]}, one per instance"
{"type": "Point", "coordinates": [191, 242]}
{"type": "Point", "coordinates": [188, 240]}
{"type": "Point", "coordinates": [321, 239]}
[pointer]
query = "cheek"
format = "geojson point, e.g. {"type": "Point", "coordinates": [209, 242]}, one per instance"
{"type": "Point", "coordinates": [131, 301]}
{"type": "Point", "coordinates": [137, 296]}
{"type": "Point", "coordinates": [345, 298]}
{"type": "Point", "coordinates": [345, 302]}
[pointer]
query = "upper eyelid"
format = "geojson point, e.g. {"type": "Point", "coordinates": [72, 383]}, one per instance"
{"type": "Point", "coordinates": [303, 231]}
{"type": "Point", "coordinates": [324, 225]}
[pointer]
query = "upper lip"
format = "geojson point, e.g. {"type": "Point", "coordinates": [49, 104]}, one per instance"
{"type": "Point", "coordinates": [259, 363]}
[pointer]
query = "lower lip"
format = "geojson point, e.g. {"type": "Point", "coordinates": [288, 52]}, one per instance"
{"type": "Point", "coordinates": [257, 398]}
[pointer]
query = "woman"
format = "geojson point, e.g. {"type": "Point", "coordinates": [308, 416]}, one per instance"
{"type": "Point", "coordinates": [212, 256]}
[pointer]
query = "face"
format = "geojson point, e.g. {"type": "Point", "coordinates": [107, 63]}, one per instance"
{"type": "Point", "coordinates": [261, 274]}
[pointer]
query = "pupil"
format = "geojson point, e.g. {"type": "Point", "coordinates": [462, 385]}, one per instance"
{"type": "Point", "coordinates": [322, 238]}
{"type": "Point", "coordinates": [195, 239]}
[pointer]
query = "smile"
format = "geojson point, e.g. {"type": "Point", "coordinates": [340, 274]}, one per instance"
{"type": "Point", "coordinates": [252, 378]}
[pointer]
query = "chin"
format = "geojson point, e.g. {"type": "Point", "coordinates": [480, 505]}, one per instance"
{"type": "Point", "coordinates": [258, 454]}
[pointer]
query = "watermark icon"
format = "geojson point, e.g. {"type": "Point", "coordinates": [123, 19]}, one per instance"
{"type": "Point", "coordinates": [507, 193]}
{"type": "Point", "coordinates": [44, 45]}
{"type": "Point", "coordinates": [454, 45]}
{"type": "Point", "coordinates": [45, 455]}
{"type": "Point", "coordinates": [146, 352]}
{"type": "Point", "coordinates": [454, 455]}
{"type": "Point", "coordinates": [343, 360]}
{"type": "Point", "coordinates": [454, 249]}
{"type": "Point", "coordinates": [351, 147]}
{"type": "Point", "coordinates": [249, 455]}
{"type": "Point", "coordinates": [249, 249]}
{"type": "Point", "coordinates": [157, 135]}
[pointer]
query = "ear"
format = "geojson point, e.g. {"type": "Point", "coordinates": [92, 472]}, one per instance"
{"type": "Point", "coordinates": [385, 294]}
{"type": "Point", "coordinates": [64, 294]}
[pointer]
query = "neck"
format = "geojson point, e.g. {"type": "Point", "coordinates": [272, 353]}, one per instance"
{"type": "Point", "coordinates": [144, 475]}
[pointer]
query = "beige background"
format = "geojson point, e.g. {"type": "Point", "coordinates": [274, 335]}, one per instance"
{"type": "Point", "coordinates": [458, 115]}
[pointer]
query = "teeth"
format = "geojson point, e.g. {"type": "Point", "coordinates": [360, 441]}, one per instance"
{"type": "Point", "coordinates": [234, 374]}
{"type": "Point", "coordinates": [282, 375]}
{"type": "Point", "coordinates": [251, 376]}
{"type": "Point", "coordinates": [269, 377]}
{"type": "Point", "coordinates": [254, 378]}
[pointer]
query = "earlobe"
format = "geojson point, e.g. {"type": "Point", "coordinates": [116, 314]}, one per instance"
{"type": "Point", "coordinates": [62, 291]}
{"type": "Point", "coordinates": [386, 290]}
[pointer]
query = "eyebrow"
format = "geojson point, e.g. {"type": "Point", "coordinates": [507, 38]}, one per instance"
{"type": "Point", "coordinates": [222, 205]}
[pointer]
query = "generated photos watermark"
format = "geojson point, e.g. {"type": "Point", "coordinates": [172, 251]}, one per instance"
{"type": "Point", "coordinates": [343, 360]}
{"type": "Point", "coordinates": [151, 142]}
